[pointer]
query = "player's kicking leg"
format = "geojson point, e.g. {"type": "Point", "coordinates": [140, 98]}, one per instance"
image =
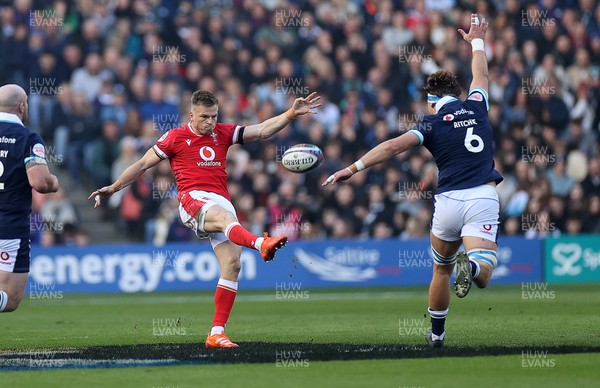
{"type": "Point", "coordinates": [218, 219]}
{"type": "Point", "coordinates": [444, 257]}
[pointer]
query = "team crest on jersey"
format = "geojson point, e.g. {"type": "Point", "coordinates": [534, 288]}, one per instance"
{"type": "Point", "coordinates": [476, 97]}
{"type": "Point", "coordinates": [214, 136]}
{"type": "Point", "coordinates": [449, 117]}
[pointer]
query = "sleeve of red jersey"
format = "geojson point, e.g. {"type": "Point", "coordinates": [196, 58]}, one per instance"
{"type": "Point", "coordinates": [164, 146]}
{"type": "Point", "coordinates": [233, 133]}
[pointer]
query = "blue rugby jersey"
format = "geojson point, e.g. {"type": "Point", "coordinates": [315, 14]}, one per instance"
{"type": "Point", "coordinates": [459, 136]}
{"type": "Point", "coordinates": [18, 146]}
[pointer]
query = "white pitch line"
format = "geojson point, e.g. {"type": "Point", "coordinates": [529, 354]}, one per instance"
{"type": "Point", "coordinates": [59, 363]}
{"type": "Point", "coordinates": [242, 298]}
{"type": "Point", "coordinates": [316, 296]}
{"type": "Point", "coordinates": [45, 338]}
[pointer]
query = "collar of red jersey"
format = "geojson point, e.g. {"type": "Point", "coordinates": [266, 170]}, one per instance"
{"type": "Point", "coordinates": [189, 125]}
{"type": "Point", "coordinates": [10, 117]}
{"type": "Point", "coordinates": [443, 101]}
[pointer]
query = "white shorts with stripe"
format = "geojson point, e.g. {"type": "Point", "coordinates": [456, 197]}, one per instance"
{"type": "Point", "coordinates": [207, 200]}
{"type": "Point", "coordinates": [15, 255]}
{"type": "Point", "coordinates": [470, 212]}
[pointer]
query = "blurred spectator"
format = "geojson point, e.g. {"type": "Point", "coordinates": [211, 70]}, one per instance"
{"type": "Point", "coordinates": [83, 128]}
{"type": "Point", "coordinates": [162, 114]}
{"type": "Point", "coordinates": [88, 79]}
{"type": "Point", "coordinates": [132, 208]}
{"type": "Point", "coordinates": [116, 106]}
{"type": "Point", "coordinates": [57, 222]}
{"type": "Point", "coordinates": [560, 182]}
{"type": "Point", "coordinates": [285, 217]}
{"type": "Point", "coordinates": [591, 220]}
{"type": "Point", "coordinates": [102, 154]}
{"type": "Point", "coordinates": [591, 183]}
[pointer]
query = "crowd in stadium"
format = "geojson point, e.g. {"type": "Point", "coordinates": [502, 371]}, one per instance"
{"type": "Point", "coordinates": [106, 78]}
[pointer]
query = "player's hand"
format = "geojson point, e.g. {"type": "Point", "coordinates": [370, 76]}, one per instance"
{"type": "Point", "coordinates": [339, 176]}
{"type": "Point", "coordinates": [477, 30]}
{"type": "Point", "coordinates": [303, 105]}
{"type": "Point", "coordinates": [103, 193]}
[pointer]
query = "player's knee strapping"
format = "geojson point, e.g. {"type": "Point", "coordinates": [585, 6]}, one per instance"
{"type": "Point", "coordinates": [201, 216]}
{"type": "Point", "coordinates": [486, 255]}
{"type": "Point", "coordinates": [442, 260]}
{"type": "Point", "coordinates": [3, 300]}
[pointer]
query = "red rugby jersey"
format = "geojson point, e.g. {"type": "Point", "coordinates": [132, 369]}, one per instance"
{"type": "Point", "coordinates": [198, 161]}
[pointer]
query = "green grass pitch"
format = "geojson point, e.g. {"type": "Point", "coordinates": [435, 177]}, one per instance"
{"type": "Point", "coordinates": [545, 339]}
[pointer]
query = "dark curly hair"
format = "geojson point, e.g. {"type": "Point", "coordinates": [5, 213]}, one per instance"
{"type": "Point", "coordinates": [442, 83]}
{"type": "Point", "coordinates": [204, 98]}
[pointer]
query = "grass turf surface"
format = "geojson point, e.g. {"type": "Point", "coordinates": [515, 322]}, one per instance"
{"type": "Point", "coordinates": [499, 318]}
{"type": "Point", "coordinates": [569, 370]}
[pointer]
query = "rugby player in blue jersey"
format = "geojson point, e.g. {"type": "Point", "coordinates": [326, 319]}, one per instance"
{"type": "Point", "coordinates": [23, 166]}
{"type": "Point", "coordinates": [459, 136]}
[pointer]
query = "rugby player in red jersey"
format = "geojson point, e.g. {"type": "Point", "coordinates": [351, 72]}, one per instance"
{"type": "Point", "coordinates": [197, 152]}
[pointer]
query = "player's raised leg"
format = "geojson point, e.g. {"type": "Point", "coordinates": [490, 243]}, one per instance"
{"type": "Point", "coordinates": [218, 219]}
{"type": "Point", "coordinates": [479, 239]}
{"type": "Point", "coordinates": [228, 255]}
{"type": "Point", "coordinates": [12, 288]}
{"type": "Point", "coordinates": [444, 257]}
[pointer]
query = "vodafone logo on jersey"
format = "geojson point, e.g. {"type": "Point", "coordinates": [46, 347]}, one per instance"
{"type": "Point", "coordinates": [208, 155]}
{"type": "Point", "coordinates": [449, 117]}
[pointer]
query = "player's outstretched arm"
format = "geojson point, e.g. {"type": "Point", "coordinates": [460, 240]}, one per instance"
{"type": "Point", "coordinates": [381, 153]}
{"type": "Point", "coordinates": [479, 66]}
{"type": "Point", "coordinates": [269, 127]}
{"type": "Point", "coordinates": [133, 172]}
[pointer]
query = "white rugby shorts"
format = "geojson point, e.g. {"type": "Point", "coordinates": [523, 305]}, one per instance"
{"type": "Point", "coordinates": [14, 255]}
{"type": "Point", "coordinates": [204, 200]}
{"type": "Point", "coordinates": [473, 212]}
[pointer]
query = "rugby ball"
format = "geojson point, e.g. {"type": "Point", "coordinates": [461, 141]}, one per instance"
{"type": "Point", "coordinates": [302, 158]}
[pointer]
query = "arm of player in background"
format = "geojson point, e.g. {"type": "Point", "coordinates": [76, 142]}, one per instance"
{"type": "Point", "coordinates": [41, 179]}
{"type": "Point", "coordinates": [271, 126]}
{"type": "Point", "coordinates": [133, 172]}
{"type": "Point", "coordinates": [380, 153]}
{"type": "Point", "coordinates": [479, 65]}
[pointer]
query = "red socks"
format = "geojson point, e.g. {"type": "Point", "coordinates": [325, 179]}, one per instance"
{"type": "Point", "coordinates": [224, 298]}
{"type": "Point", "coordinates": [240, 236]}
